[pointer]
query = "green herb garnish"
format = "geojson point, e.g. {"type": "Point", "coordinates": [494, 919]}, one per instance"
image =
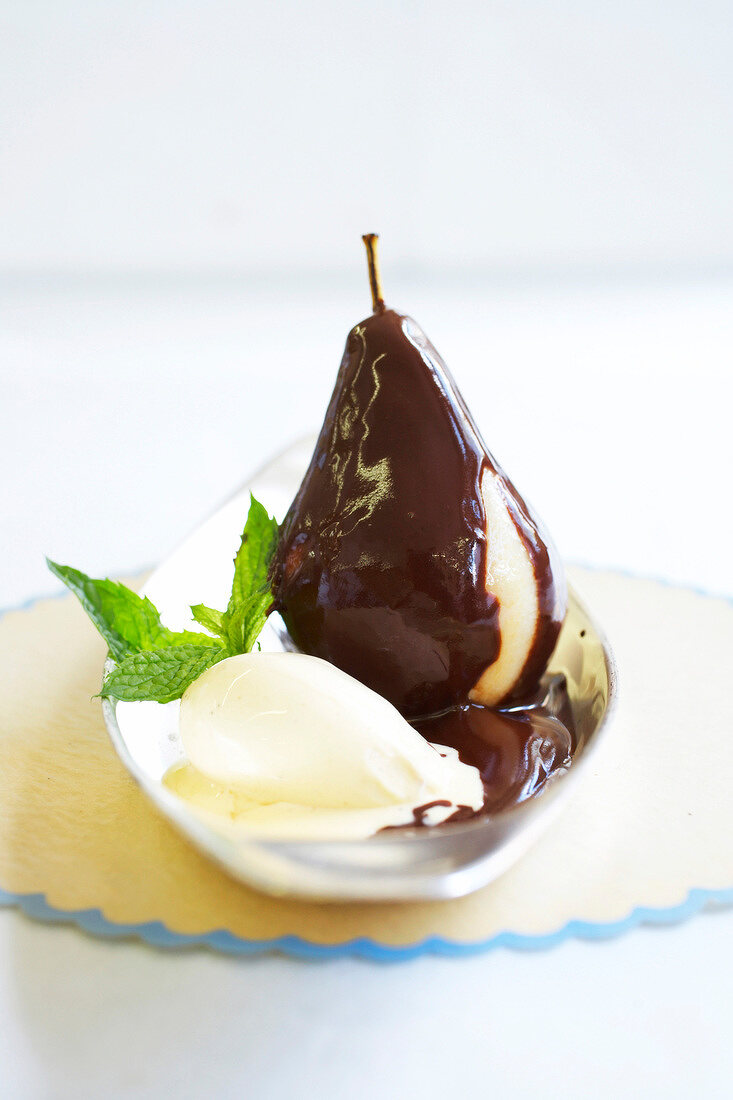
{"type": "Point", "coordinates": [158, 664]}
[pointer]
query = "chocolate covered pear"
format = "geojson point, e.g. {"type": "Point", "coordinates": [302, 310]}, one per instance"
{"type": "Point", "coordinates": [407, 558]}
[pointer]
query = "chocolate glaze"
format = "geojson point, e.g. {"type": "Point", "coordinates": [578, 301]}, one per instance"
{"type": "Point", "coordinates": [381, 563]}
{"type": "Point", "coordinates": [516, 751]}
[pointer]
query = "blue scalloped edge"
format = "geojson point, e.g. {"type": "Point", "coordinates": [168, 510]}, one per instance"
{"type": "Point", "coordinates": [157, 934]}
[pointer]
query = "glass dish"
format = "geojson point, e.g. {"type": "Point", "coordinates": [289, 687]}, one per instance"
{"type": "Point", "coordinates": [429, 863]}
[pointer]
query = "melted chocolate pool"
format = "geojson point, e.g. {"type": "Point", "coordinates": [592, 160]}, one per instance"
{"type": "Point", "coordinates": [516, 751]}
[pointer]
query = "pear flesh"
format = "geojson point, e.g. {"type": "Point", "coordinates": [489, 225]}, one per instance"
{"type": "Point", "coordinates": [407, 558]}
{"type": "Point", "coordinates": [510, 577]}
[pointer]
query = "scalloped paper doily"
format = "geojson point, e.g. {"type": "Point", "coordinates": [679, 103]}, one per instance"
{"type": "Point", "coordinates": [645, 839]}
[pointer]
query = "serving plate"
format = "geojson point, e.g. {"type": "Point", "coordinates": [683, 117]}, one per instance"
{"type": "Point", "coordinates": [427, 864]}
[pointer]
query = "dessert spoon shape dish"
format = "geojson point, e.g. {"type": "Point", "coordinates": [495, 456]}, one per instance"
{"type": "Point", "coordinates": [403, 864]}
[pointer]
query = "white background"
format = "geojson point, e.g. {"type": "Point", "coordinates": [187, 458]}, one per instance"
{"type": "Point", "coordinates": [182, 191]}
{"type": "Point", "coordinates": [165, 134]}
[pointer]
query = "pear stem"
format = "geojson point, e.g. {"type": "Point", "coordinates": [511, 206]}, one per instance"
{"type": "Point", "coordinates": [375, 283]}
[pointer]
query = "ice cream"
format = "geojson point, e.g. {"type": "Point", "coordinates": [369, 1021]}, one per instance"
{"type": "Point", "coordinates": [288, 744]}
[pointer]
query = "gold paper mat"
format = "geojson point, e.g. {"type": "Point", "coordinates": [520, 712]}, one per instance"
{"type": "Point", "coordinates": [652, 820]}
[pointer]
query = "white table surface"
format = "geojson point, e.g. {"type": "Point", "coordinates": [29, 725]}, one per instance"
{"type": "Point", "coordinates": [130, 408]}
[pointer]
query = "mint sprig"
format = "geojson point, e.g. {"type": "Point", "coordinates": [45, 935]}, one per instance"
{"type": "Point", "coordinates": [158, 664]}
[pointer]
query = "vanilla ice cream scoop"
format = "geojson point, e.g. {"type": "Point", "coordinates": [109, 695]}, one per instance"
{"type": "Point", "coordinates": [289, 728]}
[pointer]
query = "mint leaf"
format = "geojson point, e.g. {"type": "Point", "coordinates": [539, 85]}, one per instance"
{"type": "Point", "coordinates": [160, 675]}
{"type": "Point", "coordinates": [98, 599]}
{"type": "Point", "coordinates": [251, 599]}
{"type": "Point", "coordinates": [252, 562]}
{"type": "Point", "coordinates": [246, 622]}
{"type": "Point", "coordinates": [211, 619]}
{"type": "Point", "coordinates": [127, 622]}
{"type": "Point", "coordinates": [156, 663]}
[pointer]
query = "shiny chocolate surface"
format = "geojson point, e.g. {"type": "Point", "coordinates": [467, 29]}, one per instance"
{"type": "Point", "coordinates": [381, 566]}
{"type": "Point", "coordinates": [516, 751]}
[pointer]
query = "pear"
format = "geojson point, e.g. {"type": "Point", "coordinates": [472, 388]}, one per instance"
{"type": "Point", "coordinates": [407, 558]}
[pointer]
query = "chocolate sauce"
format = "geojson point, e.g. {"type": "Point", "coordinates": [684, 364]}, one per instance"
{"type": "Point", "coordinates": [381, 563]}
{"type": "Point", "coordinates": [515, 752]}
